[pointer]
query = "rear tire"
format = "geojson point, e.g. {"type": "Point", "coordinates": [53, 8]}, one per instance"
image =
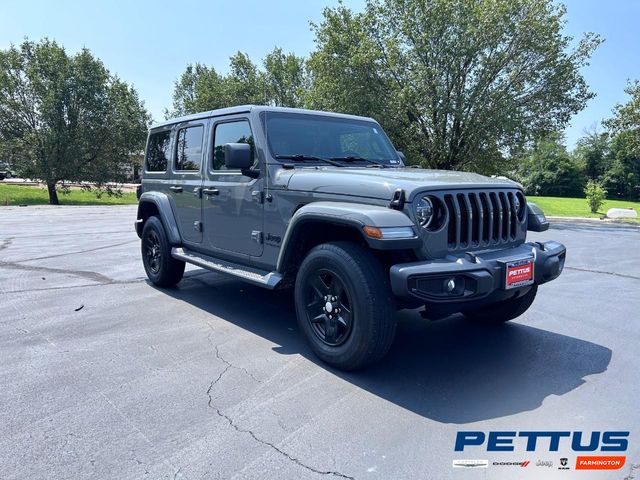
{"type": "Point", "coordinates": [501, 312]}
{"type": "Point", "coordinates": [344, 305]}
{"type": "Point", "coordinates": [162, 269]}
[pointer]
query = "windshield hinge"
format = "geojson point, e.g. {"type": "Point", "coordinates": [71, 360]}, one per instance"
{"type": "Point", "coordinates": [398, 199]}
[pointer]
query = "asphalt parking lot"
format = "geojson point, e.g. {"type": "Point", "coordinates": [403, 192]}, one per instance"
{"type": "Point", "coordinates": [105, 376]}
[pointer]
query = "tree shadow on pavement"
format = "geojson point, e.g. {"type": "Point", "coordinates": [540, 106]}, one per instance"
{"type": "Point", "coordinates": [450, 370]}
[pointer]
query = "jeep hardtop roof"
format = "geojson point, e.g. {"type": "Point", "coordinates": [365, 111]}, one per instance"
{"type": "Point", "coordinates": [251, 108]}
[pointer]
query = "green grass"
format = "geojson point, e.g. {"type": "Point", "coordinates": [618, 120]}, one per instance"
{"type": "Point", "coordinates": [30, 195]}
{"type": "Point", "coordinates": [577, 207]}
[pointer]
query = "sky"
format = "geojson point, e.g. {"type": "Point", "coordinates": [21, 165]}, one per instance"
{"type": "Point", "coordinates": [149, 43]}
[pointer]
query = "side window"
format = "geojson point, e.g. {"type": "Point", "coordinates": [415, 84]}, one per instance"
{"type": "Point", "coordinates": [158, 151]}
{"type": "Point", "coordinates": [230, 132]}
{"type": "Point", "coordinates": [189, 148]}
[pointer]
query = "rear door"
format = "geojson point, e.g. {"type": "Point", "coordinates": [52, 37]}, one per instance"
{"type": "Point", "coordinates": [186, 179]}
{"type": "Point", "coordinates": [231, 202]}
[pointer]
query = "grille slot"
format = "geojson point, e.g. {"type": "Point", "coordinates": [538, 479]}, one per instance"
{"type": "Point", "coordinates": [481, 218]}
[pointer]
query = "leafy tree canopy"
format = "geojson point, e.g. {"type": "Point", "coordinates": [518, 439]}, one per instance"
{"type": "Point", "coordinates": [65, 117]}
{"type": "Point", "coordinates": [548, 169]}
{"type": "Point", "coordinates": [627, 117]}
{"type": "Point", "coordinates": [458, 84]}
{"type": "Point", "coordinates": [280, 82]}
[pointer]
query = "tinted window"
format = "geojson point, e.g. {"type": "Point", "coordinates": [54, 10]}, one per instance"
{"type": "Point", "coordinates": [327, 137]}
{"type": "Point", "coordinates": [231, 132]}
{"type": "Point", "coordinates": [158, 151]}
{"type": "Point", "coordinates": [189, 148]}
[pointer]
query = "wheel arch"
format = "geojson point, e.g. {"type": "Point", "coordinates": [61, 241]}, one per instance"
{"type": "Point", "coordinates": [322, 222]}
{"type": "Point", "coordinates": [157, 203]}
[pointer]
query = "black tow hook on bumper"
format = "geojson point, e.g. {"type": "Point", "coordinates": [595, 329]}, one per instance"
{"type": "Point", "coordinates": [474, 276]}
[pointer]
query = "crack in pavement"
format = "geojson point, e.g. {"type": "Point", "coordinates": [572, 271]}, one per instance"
{"type": "Point", "coordinates": [78, 252]}
{"type": "Point", "coordinates": [602, 272]}
{"type": "Point", "coordinates": [95, 276]}
{"type": "Point", "coordinates": [85, 285]}
{"type": "Point", "coordinates": [226, 362]}
{"type": "Point", "coordinates": [6, 243]}
{"type": "Point", "coordinates": [65, 287]}
{"type": "Point", "coordinates": [237, 428]}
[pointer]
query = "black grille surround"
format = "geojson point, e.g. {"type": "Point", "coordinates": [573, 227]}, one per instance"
{"type": "Point", "coordinates": [476, 219]}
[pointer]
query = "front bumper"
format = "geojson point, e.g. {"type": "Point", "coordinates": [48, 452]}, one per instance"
{"type": "Point", "coordinates": [476, 275]}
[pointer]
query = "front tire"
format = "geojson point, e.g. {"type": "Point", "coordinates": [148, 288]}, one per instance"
{"type": "Point", "coordinates": [162, 269]}
{"type": "Point", "coordinates": [344, 305]}
{"type": "Point", "coordinates": [502, 312]}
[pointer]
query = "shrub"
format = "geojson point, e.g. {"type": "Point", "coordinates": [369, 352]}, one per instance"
{"type": "Point", "coordinates": [596, 195]}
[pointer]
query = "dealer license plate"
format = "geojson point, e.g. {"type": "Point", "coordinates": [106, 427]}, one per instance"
{"type": "Point", "coordinates": [518, 273]}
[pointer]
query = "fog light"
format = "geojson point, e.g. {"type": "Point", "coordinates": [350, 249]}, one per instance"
{"type": "Point", "coordinates": [451, 285]}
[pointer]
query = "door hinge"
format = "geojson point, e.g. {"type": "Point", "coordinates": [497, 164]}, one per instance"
{"type": "Point", "coordinates": [257, 196]}
{"type": "Point", "coordinates": [197, 226]}
{"type": "Point", "coordinates": [256, 236]}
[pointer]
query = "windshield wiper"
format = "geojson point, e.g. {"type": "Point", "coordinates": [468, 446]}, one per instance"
{"type": "Point", "coordinates": [353, 158]}
{"type": "Point", "coordinates": [302, 158]}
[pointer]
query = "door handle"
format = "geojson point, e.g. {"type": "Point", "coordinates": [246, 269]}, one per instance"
{"type": "Point", "coordinates": [211, 191]}
{"type": "Point", "coordinates": [175, 188]}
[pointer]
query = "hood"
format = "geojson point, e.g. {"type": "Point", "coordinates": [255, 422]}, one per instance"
{"type": "Point", "coordinates": [381, 183]}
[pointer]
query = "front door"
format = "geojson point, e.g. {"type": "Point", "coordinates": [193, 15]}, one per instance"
{"type": "Point", "coordinates": [231, 202]}
{"type": "Point", "coordinates": [186, 180]}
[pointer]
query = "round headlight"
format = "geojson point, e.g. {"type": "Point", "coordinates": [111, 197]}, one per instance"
{"type": "Point", "coordinates": [424, 211]}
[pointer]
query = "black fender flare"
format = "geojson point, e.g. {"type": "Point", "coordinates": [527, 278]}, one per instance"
{"type": "Point", "coordinates": [163, 206]}
{"type": "Point", "coordinates": [353, 215]}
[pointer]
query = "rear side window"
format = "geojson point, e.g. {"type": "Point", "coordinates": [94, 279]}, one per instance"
{"type": "Point", "coordinates": [230, 132]}
{"type": "Point", "coordinates": [189, 148]}
{"type": "Point", "coordinates": [158, 151]}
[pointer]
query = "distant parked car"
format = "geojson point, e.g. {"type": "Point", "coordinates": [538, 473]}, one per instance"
{"type": "Point", "coordinates": [4, 171]}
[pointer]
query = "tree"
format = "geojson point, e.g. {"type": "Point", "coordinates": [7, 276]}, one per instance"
{"type": "Point", "coordinates": [548, 169]}
{"type": "Point", "coordinates": [281, 82]}
{"type": "Point", "coordinates": [285, 79]}
{"type": "Point", "coordinates": [64, 117]}
{"type": "Point", "coordinates": [622, 177]}
{"type": "Point", "coordinates": [627, 118]}
{"type": "Point", "coordinates": [199, 88]}
{"type": "Point", "coordinates": [594, 149]}
{"type": "Point", "coordinates": [456, 83]}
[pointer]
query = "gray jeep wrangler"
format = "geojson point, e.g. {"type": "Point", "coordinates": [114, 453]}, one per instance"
{"type": "Point", "coordinates": [323, 203]}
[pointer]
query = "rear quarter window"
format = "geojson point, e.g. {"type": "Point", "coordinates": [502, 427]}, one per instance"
{"type": "Point", "coordinates": [158, 151]}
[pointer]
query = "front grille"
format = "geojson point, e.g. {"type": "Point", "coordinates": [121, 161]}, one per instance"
{"type": "Point", "coordinates": [483, 218]}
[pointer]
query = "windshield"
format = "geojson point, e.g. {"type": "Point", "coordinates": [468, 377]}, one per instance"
{"type": "Point", "coordinates": [325, 137]}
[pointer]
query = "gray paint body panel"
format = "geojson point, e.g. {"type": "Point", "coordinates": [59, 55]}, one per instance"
{"type": "Point", "coordinates": [381, 183]}
{"type": "Point", "coordinates": [350, 195]}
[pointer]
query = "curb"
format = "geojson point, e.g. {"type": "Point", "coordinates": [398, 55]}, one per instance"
{"type": "Point", "coordinates": [610, 222]}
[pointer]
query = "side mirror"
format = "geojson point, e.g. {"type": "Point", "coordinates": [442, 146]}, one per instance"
{"type": "Point", "coordinates": [536, 221]}
{"type": "Point", "coordinates": [402, 157]}
{"type": "Point", "coordinates": [237, 156]}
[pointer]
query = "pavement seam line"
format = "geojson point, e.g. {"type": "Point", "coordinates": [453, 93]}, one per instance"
{"type": "Point", "coordinates": [237, 428]}
{"type": "Point", "coordinates": [588, 270]}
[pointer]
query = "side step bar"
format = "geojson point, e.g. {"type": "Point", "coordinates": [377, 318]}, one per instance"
{"type": "Point", "coordinates": [261, 278]}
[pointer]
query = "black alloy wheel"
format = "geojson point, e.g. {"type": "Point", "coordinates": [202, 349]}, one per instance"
{"type": "Point", "coordinates": [329, 307]}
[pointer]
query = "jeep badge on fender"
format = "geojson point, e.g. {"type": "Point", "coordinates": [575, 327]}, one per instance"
{"type": "Point", "coordinates": [323, 202]}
